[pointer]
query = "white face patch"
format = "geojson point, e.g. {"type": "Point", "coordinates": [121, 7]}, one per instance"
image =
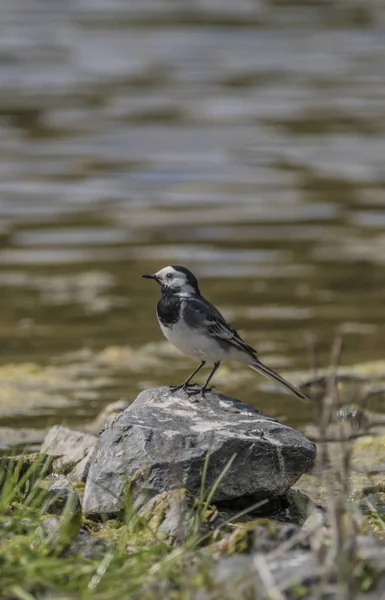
{"type": "Point", "coordinates": [175, 280]}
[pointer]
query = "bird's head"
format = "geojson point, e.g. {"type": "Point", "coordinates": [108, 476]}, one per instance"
{"type": "Point", "coordinates": [176, 280]}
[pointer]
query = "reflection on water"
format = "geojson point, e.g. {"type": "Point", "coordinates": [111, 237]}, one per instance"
{"type": "Point", "coordinates": [243, 141]}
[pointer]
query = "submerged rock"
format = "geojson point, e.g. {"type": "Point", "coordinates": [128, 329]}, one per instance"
{"type": "Point", "coordinates": [168, 439]}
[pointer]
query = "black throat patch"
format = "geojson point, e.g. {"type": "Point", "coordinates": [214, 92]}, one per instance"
{"type": "Point", "coordinates": [168, 309]}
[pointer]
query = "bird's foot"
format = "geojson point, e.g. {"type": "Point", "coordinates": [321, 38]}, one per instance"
{"type": "Point", "coordinates": [182, 386]}
{"type": "Point", "coordinates": [199, 390]}
{"type": "Point", "coordinates": [175, 388]}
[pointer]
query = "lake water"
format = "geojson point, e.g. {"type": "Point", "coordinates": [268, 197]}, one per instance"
{"type": "Point", "coordinates": [243, 140]}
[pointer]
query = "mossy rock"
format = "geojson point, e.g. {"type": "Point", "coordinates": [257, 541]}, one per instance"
{"type": "Point", "coordinates": [372, 506]}
{"type": "Point", "coordinates": [169, 515]}
{"type": "Point", "coordinates": [259, 535]}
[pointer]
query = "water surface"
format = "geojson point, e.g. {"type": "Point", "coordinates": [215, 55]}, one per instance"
{"type": "Point", "coordinates": [244, 142]}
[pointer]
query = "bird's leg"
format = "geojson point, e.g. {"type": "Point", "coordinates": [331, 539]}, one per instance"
{"type": "Point", "coordinates": [186, 384]}
{"type": "Point", "coordinates": [202, 390]}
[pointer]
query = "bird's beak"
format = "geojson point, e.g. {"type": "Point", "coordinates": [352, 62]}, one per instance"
{"type": "Point", "coordinates": [150, 277]}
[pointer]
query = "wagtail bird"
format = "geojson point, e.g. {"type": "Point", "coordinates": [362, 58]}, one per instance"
{"type": "Point", "coordinates": [198, 329]}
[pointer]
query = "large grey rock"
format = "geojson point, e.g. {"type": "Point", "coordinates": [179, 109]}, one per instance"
{"type": "Point", "coordinates": [169, 437]}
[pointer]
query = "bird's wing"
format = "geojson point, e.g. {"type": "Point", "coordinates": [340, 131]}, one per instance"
{"type": "Point", "coordinates": [202, 313]}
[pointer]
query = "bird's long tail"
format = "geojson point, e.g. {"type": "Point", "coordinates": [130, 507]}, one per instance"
{"type": "Point", "coordinates": [270, 374]}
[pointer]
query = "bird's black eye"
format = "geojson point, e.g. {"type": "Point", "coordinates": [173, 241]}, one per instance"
{"type": "Point", "coordinates": [169, 275]}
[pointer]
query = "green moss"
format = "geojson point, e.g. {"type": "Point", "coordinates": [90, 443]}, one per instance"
{"type": "Point", "coordinates": [156, 509]}
{"type": "Point", "coordinates": [79, 487]}
{"type": "Point", "coordinates": [372, 505]}
{"type": "Point", "coordinates": [110, 531]}
{"type": "Point", "coordinates": [366, 577]}
{"type": "Point", "coordinates": [135, 484]}
{"type": "Point", "coordinates": [242, 536]}
{"type": "Point", "coordinates": [240, 541]}
{"type": "Point", "coordinates": [300, 591]}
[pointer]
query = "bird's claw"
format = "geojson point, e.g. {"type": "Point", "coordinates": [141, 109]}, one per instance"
{"type": "Point", "coordinates": [200, 390]}
{"type": "Point", "coordinates": [175, 388]}
{"type": "Point", "coordinates": [182, 386]}
{"type": "Point", "coordinates": [191, 389]}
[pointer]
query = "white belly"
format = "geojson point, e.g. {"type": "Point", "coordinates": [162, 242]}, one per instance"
{"type": "Point", "coordinates": [195, 344]}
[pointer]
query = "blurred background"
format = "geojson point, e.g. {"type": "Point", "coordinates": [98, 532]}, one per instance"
{"type": "Point", "coordinates": [244, 140]}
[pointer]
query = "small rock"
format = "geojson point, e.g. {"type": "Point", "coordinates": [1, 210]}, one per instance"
{"type": "Point", "coordinates": [60, 491]}
{"type": "Point", "coordinates": [260, 535]}
{"type": "Point", "coordinates": [169, 513]}
{"type": "Point", "coordinates": [87, 545]}
{"type": "Point", "coordinates": [170, 437]}
{"type": "Point", "coordinates": [73, 448]}
{"type": "Point", "coordinates": [290, 569]}
{"type": "Point", "coordinates": [51, 525]}
{"type": "Point", "coordinates": [60, 531]}
{"type": "Point", "coordinates": [295, 567]}
{"type": "Point", "coordinates": [372, 505]}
